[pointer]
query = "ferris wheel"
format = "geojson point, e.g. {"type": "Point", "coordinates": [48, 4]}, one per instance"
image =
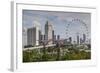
{"type": "Point", "coordinates": [83, 28]}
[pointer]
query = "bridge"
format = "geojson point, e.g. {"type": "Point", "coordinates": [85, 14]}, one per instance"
{"type": "Point", "coordinates": [37, 47]}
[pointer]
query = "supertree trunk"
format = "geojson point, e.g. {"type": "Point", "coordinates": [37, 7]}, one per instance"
{"type": "Point", "coordinates": [58, 51]}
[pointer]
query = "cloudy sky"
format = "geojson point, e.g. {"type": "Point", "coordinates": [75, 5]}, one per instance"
{"type": "Point", "coordinates": [78, 22]}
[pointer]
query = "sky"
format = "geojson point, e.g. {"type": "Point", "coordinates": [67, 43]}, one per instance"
{"type": "Point", "coordinates": [65, 24]}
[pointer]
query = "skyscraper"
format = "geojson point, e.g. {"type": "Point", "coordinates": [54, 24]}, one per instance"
{"type": "Point", "coordinates": [49, 32]}
{"type": "Point", "coordinates": [70, 40]}
{"type": "Point", "coordinates": [40, 37]}
{"type": "Point", "coordinates": [84, 38]}
{"type": "Point", "coordinates": [24, 37]}
{"type": "Point", "coordinates": [53, 36]}
{"type": "Point", "coordinates": [78, 39]}
{"type": "Point", "coordinates": [33, 34]}
{"type": "Point", "coordinates": [55, 39]}
{"type": "Point", "coordinates": [58, 37]}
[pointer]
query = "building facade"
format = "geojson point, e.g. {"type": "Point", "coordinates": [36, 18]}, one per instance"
{"type": "Point", "coordinates": [49, 32]}
{"type": "Point", "coordinates": [33, 35]}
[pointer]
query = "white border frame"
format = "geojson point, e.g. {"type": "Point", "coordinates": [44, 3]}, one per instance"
{"type": "Point", "coordinates": [16, 51]}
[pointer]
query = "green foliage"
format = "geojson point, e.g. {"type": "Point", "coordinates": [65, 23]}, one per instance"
{"type": "Point", "coordinates": [77, 55]}
{"type": "Point", "coordinates": [31, 56]}
{"type": "Point", "coordinates": [55, 54]}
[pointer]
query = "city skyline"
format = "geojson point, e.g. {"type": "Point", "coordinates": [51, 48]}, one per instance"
{"type": "Point", "coordinates": [59, 20]}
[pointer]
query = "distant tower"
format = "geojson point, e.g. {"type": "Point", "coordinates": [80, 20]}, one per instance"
{"type": "Point", "coordinates": [24, 37]}
{"type": "Point", "coordinates": [40, 37]}
{"type": "Point", "coordinates": [53, 36]}
{"type": "Point", "coordinates": [78, 38]}
{"type": "Point", "coordinates": [70, 40]}
{"type": "Point", "coordinates": [58, 37]}
{"type": "Point", "coordinates": [55, 39]}
{"type": "Point", "coordinates": [84, 38]}
{"type": "Point", "coordinates": [38, 32]}
{"type": "Point", "coordinates": [49, 32]}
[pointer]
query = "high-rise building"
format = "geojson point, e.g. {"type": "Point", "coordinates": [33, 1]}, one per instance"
{"type": "Point", "coordinates": [24, 37]}
{"type": "Point", "coordinates": [40, 37]}
{"type": "Point", "coordinates": [33, 34]}
{"type": "Point", "coordinates": [70, 40]}
{"type": "Point", "coordinates": [78, 39]}
{"type": "Point", "coordinates": [55, 39]}
{"type": "Point", "coordinates": [58, 37]}
{"type": "Point", "coordinates": [84, 38]}
{"type": "Point", "coordinates": [49, 32]}
{"type": "Point", "coordinates": [53, 36]}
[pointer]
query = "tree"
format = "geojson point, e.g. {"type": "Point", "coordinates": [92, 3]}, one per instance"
{"type": "Point", "coordinates": [44, 43]}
